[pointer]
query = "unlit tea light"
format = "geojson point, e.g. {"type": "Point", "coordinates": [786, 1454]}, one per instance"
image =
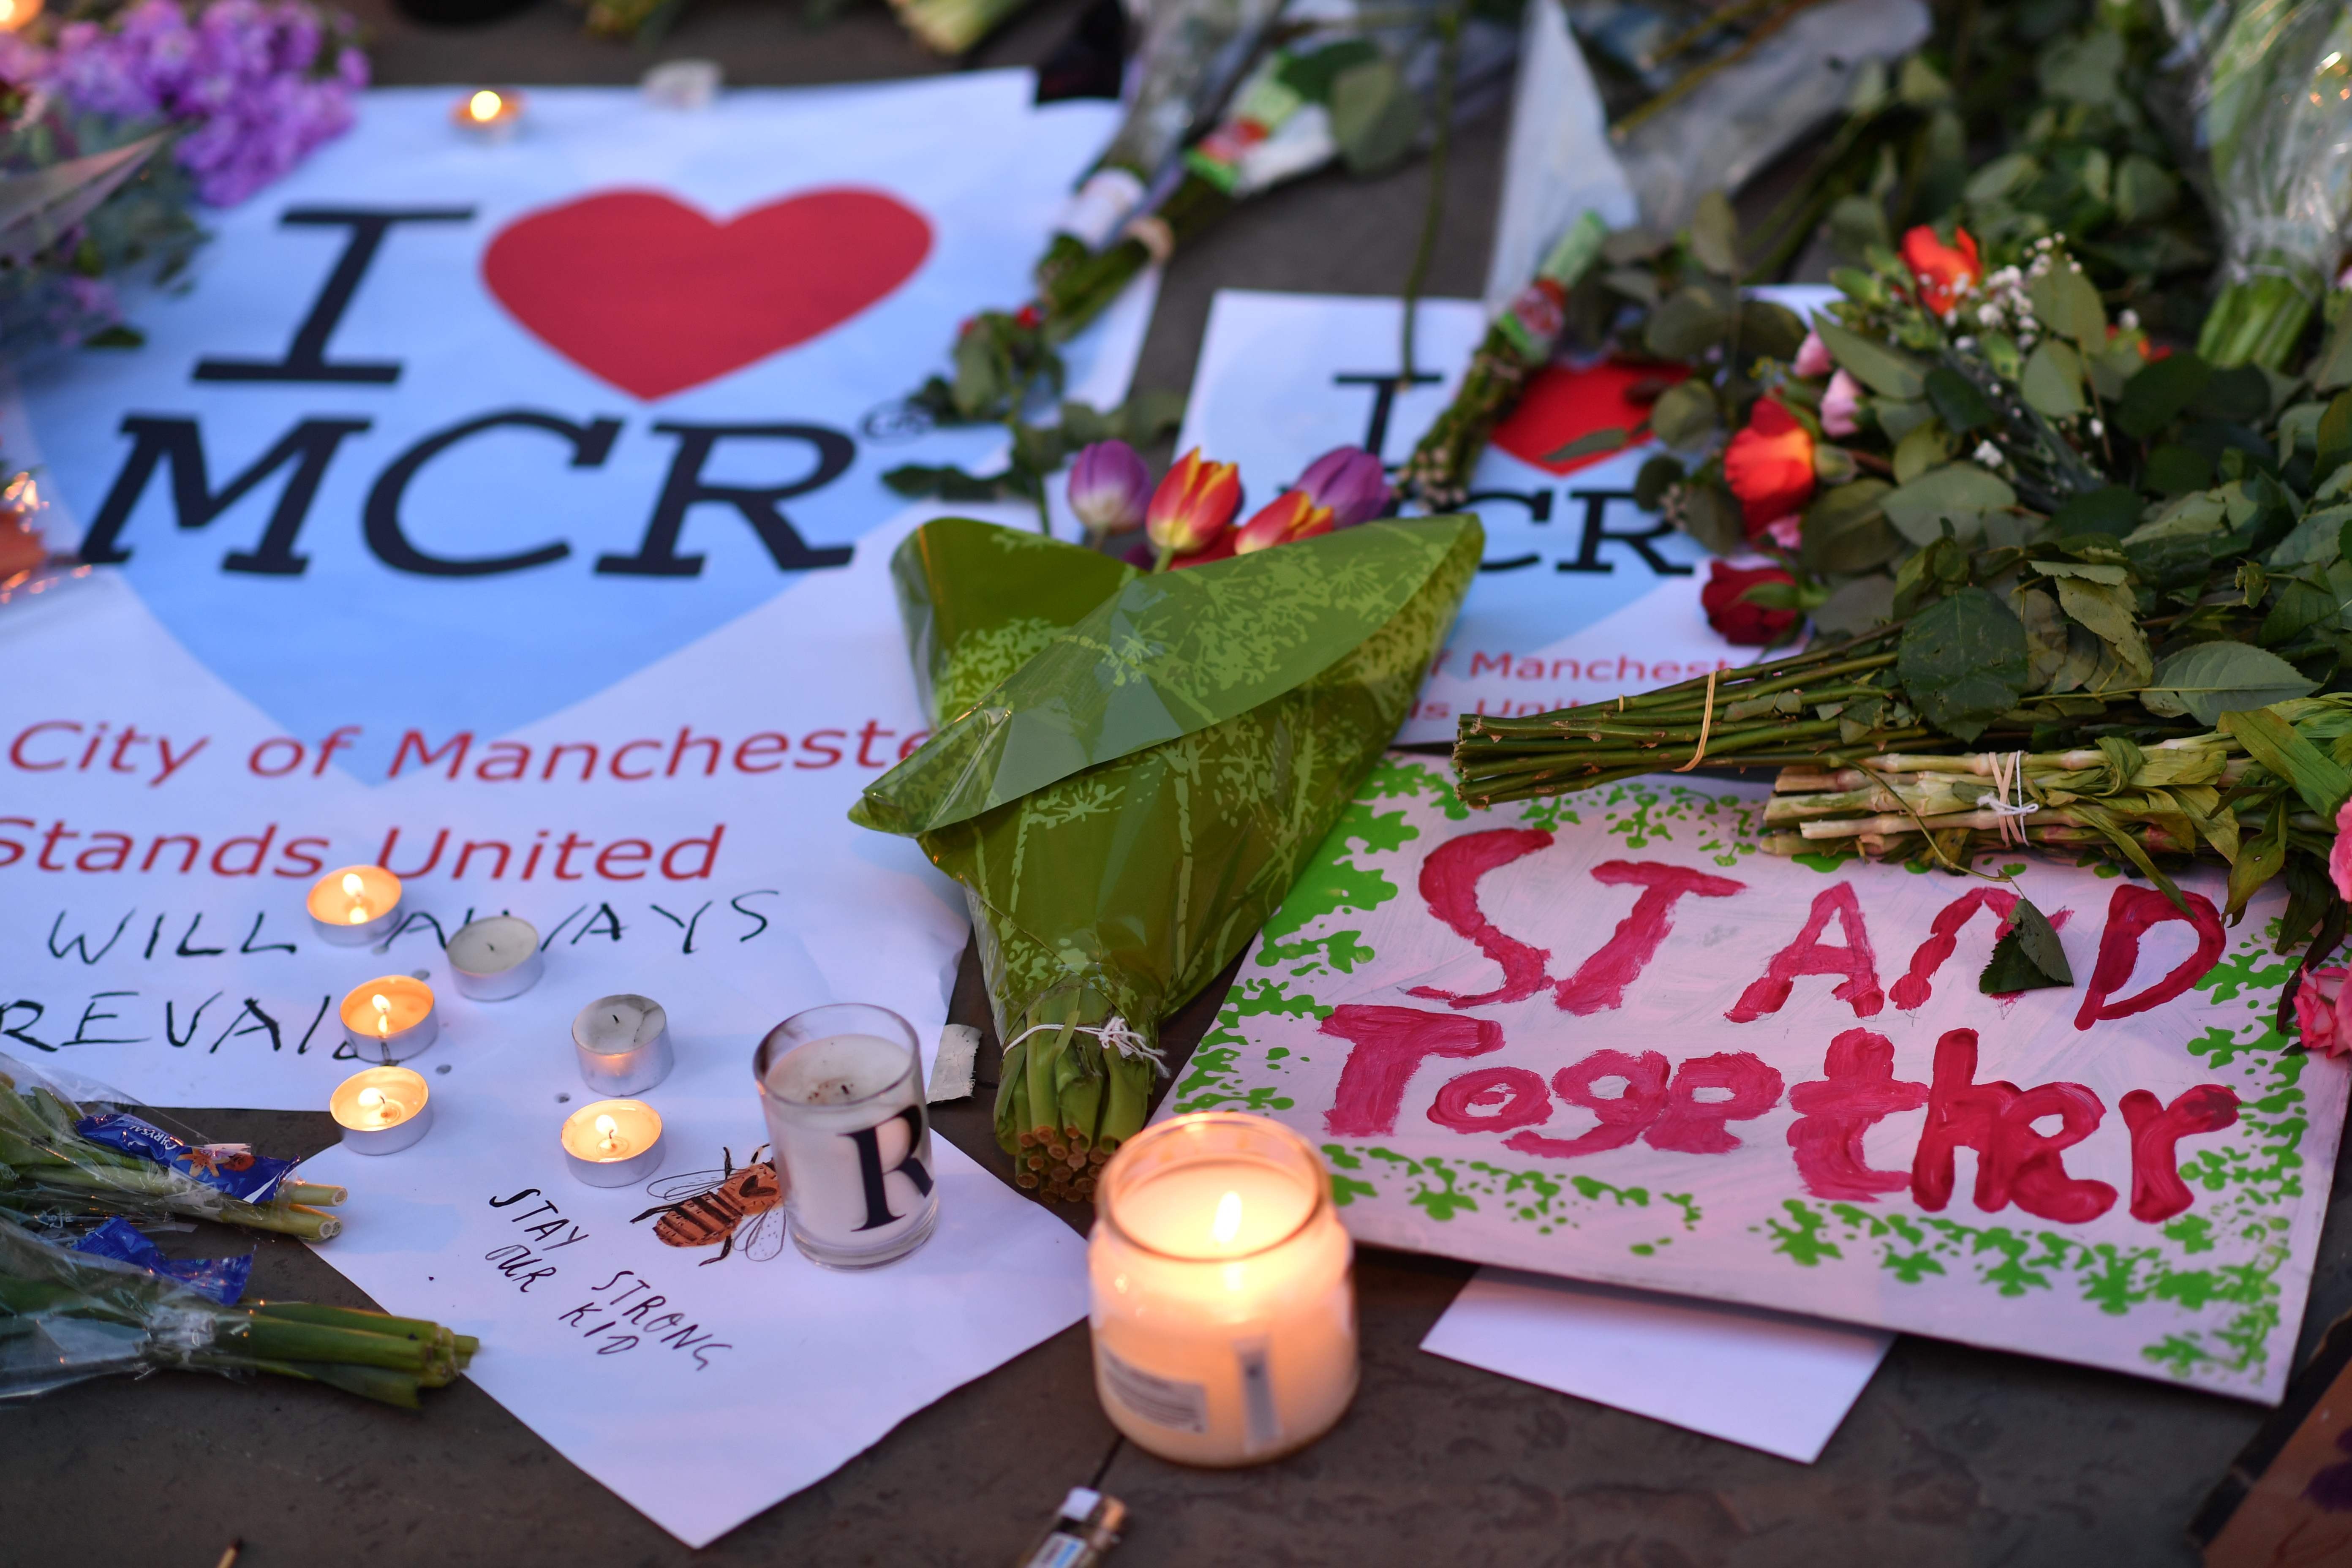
{"type": "Point", "coordinates": [354, 905]}
{"type": "Point", "coordinates": [390, 1018]}
{"type": "Point", "coordinates": [612, 1142]}
{"type": "Point", "coordinates": [495, 958]}
{"type": "Point", "coordinates": [382, 1111]}
{"type": "Point", "coordinates": [623, 1043]}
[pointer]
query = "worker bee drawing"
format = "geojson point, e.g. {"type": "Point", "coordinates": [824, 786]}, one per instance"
{"type": "Point", "coordinates": [733, 1208]}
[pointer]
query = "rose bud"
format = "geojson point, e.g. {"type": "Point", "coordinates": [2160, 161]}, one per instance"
{"type": "Point", "coordinates": [1944, 272]}
{"type": "Point", "coordinates": [1291, 515]}
{"type": "Point", "coordinates": [1351, 482]}
{"type": "Point", "coordinates": [1840, 404]}
{"type": "Point", "coordinates": [1735, 618]}
{"type": "Point", "coordinates": [1110, 487]}
{"type": "Point", "coordinates": [2320, 1005]}
{"type": "Point", "coordinates": [1193, 505]}
{"type": "Point", "coordinates": [1770, 465]}
{"type": "Point", "coordinates": [1812, 357]}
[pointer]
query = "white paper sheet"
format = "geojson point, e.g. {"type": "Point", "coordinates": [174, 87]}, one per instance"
{"type": "Point", "coordinates": [1765, 1380]}
{"type": "Point", "coordinates": [775, 1372]}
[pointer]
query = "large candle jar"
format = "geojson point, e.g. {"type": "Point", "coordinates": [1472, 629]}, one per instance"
{"type": "Point", "coordinates": [843, 1091]}
{"type": "Point", "coordinates": [1223, 1310]}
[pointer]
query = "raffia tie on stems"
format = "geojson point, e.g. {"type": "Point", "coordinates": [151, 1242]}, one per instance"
{"type": "Point", "coordinates": [1115, 1034]}
{"type": "Point", "coordinates": [1705, 723]}
{"type": "Point", "coordinates": [2008, 777]}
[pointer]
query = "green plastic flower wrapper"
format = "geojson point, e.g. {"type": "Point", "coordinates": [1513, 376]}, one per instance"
{"type": "Point", "coordinates": [1129, 769]}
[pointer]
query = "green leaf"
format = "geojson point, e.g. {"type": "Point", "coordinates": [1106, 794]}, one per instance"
{"type": "Point", "coordinates": [2027, 957]}
{"type": "Point", "coordinates": [2175, 470]}
{"type": "Point", "coordinates": [2335, 435]}
{"type": "Point", "coordinates": [1924, 448]}
{"type": "Point", "coordinates": [2155, 397]}
{"type": "Point", "coordinates": [2108, 612]}
{"type": "Point", "coordinates": [1962, 492]}
{"type": "Point", "coordinates": [1685, 415]}
{"type": "Point", "coordinates": [2083, 70]}
{"type": "Point", "coordinates": [2271, 741]}
{"type": "Point", "coordinates": [1958, 402]}
{"type": "Point", "coordinates": [1658, 475]}
{"type": "Point", "coordinates": [1963, 662]}
{"type": "Point", "coordinates": [1770, 329]}
{"type": "Point", "coordinates": [2009, 173]}
{"type": "Point", "coordinates": [2217, 677]}
{"type": "Point", "coordinates": [2145, 189]}
{"type": "Point", "coordinates": [2052, 384]}
{"type": "Point", "coordinates": [2067, 303]}
{"type": "Point", "coordinates": [1715, 234]}
{"type": "Point", "coordinates": [1692, 320]}
{"type": "Point", "coordinates": [1889, 371]}
{"type": "Point", "coordinates": [1375, 117]}
{"type": "Point", "coordinates": [2111, 510]}
{"type": "Point", "coordinates": [1589, 444]}
{"type": "Point", "coordinates": [1845, 530]}
{"type": "Point", "coordinates": [2331, 368]}
{"type": "Point", "coordinates": [1710, 515]}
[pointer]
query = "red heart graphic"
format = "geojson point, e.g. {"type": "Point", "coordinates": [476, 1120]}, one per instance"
{"type": "Point", "coordinates": [645, 292]}
{"type": "Point", "coordinates": [1561, 405]}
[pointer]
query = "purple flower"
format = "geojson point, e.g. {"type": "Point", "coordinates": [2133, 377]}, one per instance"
{"type": "Point", "coordinates": [1350, 481]}
{"type": "Point", "coordinates": [1110, 487]}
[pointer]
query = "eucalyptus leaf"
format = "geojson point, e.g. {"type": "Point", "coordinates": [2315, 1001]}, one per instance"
{"type": "Point", "coordinates": [1962, 492]}
{"type": "Point", "coordinates": [2052, 384]}
{"type": "Point", "coordinates": [2217, 677]}
{"type": "Point", "coordinates": [1889, 371]}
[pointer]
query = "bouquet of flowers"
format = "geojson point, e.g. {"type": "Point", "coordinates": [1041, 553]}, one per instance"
{"type": "Point", "coordinates": [2071, 589]}
{"type": "Point", "coordinates": [67, 1316]}
{"type": "Point", "coordinates": [64, 1158]}
{"type": "Point", "coordinates": [1130, 768]}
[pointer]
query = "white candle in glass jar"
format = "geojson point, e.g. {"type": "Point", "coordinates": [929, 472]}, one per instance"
{"type": "Point", "coordinates": [390, 1018]}
{"type": "Point", "coordinates": [1224, 1315]}
{"type": "Point", "coordinates": [495, 958]}
{"type": "Point", "coordinates": [382, 1111]}
{"type": "Point", "coordinates": [623, 1043]}
{"type": "Point", "coordinates": [842, 1088]}
{"type": "Point", "coordinates": [354, 905]}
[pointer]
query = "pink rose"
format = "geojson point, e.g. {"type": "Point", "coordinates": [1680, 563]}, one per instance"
{"type": "Point", "coordinates": [2340, 857]}
{"type": "Point", "coordinates": [1840, 404]}
{"type": "Point", "coordinates": [2320, 1013]}
{"type": "Point", "coordinates": [1787, 533]}
{"type": "Point", "coordinates": [1812, 356]}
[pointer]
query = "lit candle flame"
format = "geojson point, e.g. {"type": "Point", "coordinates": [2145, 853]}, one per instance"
{"type": "Point", "coordinates": [483, 106]}
{"type": "Point", "coordinates": [609, 1130]}
{"type": "Point", "coordinates": [352, 887]}
{"type": "Point", "coordinates": [383, 1014]}
{"type": "Point", "coordinates": [1228, 1223]}
{"type": "Point", "coordinates": [352, 883]}
{"type": "Point", "coordinates": [371, 1099]}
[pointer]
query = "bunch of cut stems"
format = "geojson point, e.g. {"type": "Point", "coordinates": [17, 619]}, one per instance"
{"type": "Point", "coordinates": [1064, 1102]}
{"type": "Point", "coordinates": [1756, 717]}
{"type": "Point", "coordinates": [45, 1164]}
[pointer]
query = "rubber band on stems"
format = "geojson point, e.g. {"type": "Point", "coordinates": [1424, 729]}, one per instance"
{"type": "Point", "coordinates": [1706, 724]}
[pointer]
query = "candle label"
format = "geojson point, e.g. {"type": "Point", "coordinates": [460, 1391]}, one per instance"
{"type": "Point", "coordinates": [1163, 1402]}
{"type": "Point", "coordinates": [231, 1168]}
{"type": "Point", "coordinates": [1258, 1411]}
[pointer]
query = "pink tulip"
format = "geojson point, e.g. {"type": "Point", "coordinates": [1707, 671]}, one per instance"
{"type": "Point", "coordinates": [2339, 857]}
{"type": "Point", "coordinates": [1110, 487]}
{"type": "Point", "coordinates": [1193, 505]}
{"type": "Point", "coordinates": [1840, 404]}
{"type": "Point", "coordinates": [1814, 356]}
{"type": "Point", "coordinates": [2321, 1014]}
{"type": "Point", "coordinates": [1351, 482]}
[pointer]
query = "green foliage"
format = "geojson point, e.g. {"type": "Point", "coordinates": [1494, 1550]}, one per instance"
{"type": "Point", "coordinates": [1963, 661]}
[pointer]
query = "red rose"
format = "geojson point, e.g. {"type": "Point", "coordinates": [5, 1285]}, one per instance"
{"type": "Point", "coordinates": [1735, 618]}
{"type": "Point", "coordinates": [1770, 465]}
{"type": "Point", "coordinates": [1944, 272]}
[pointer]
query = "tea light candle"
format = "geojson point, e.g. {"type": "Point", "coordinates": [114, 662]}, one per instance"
{"type": "Point", "coordinates": [612, 1142]}
{"type": "Point", "coordinates": [1223, 1316]}
{"type": "Point", "coordinates": [354, 906]}
{"type": "Point", "coordinates": [495, 958]}
{"type": "Point", "coordinates": [623, 1043]}
{"type": "Point", "coordinates": [382, 1111]}
{"type": "Point", "coordinates": [488, 115]}
{"type": "Point", "coordinates": [390, 1018]}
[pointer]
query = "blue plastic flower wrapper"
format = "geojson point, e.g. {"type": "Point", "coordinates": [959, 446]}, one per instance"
{"type": "Point", "coordinates": [71, 1151]}
{"type": "Point", "coordinates": [222, 1278]}
{"type": "Point", "coordinates": [232, 1168]}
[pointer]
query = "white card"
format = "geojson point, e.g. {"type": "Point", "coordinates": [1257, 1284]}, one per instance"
{"type": "Point", "coordinates": [1766, 1380]}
